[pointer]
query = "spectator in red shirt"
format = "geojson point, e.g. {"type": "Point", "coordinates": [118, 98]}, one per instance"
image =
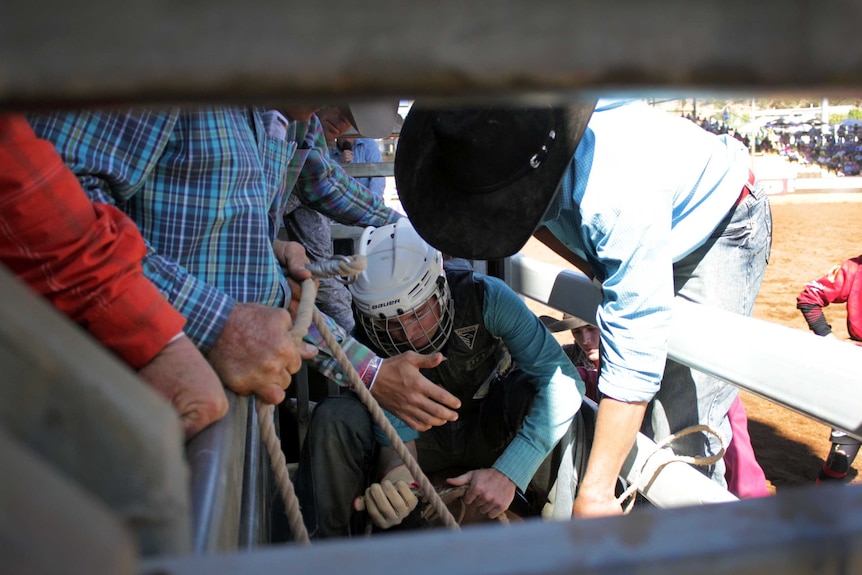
{"type": "Point", "coordinates": [85, 259]}
{"type": "Point", "coordinates": [843, 284]}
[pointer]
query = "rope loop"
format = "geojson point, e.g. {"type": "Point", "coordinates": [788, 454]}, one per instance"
{"type": "Point", "coordinates": [627, 498]}
{"type": "Point", "coordinates": [345, 269]}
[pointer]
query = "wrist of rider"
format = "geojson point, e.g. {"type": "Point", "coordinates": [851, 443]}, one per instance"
{"type": "Point", "coordinates": [369, 376]}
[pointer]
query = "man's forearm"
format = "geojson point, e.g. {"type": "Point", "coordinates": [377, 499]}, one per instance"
{"type": "Point", "coordinates": [617, 426]}
{"type": "Point", "coordinates": [205, 308]}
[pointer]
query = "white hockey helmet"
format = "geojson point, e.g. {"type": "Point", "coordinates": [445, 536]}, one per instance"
{"type": "Point", "coordinates": [402, 298]}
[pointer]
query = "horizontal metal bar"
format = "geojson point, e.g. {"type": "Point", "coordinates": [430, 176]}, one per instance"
{"type": "Point", "coordinates": [75, 53]}
{"type": "Point", "coordinates": [780, 364]}
{"type": "Point", "coordinates": [676, 484]}
{"type": "Point", "coordinates": [805, 531]}
{"type": "Point", "coordinates": [566, 290]}
{"type": "Point", "coordinates": [809, 374]}
{"type": "Point", "coordinates": [370, 169]}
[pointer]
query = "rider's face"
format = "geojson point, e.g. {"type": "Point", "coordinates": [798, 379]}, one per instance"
{"type": "Point", "coordinates": [417, 326]}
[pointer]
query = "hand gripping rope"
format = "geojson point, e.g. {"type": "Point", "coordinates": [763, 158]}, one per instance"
{"type": "Point", "coordinates": [344, 267]}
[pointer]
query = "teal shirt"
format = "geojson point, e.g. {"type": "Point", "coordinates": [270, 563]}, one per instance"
{"type": "Point", "coordinates": [559, 388]}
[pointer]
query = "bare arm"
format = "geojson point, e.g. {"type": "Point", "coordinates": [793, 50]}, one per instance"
{"type": "Point", "coordinates": [181, 374]}
{"type": "Point", "coordinates": [617, 426]}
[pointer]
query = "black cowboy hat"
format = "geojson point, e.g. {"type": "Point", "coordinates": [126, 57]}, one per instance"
{"type": "Point", "coordinates": [476, 182]}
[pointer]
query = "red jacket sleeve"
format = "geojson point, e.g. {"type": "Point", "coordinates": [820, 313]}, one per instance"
{"type": "Point", "coordinates": [840, 285]}
{"type": "Point", "coordinates": [84, 258]}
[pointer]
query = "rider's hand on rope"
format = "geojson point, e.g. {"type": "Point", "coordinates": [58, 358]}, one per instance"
{"type": "Point", "coordinates": [389, 502]}
{"type": "Point", "coordinates": [405, 392]}
{"type": "Point", "coordinates": [490, 491]}
{"type": "Point", "coordinates": [255, 352]}
{"type": "Point", "coordinates": [181, 374]}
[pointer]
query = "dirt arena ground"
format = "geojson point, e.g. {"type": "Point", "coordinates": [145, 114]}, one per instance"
{"type": "Point", "coordinates": [812, 232]}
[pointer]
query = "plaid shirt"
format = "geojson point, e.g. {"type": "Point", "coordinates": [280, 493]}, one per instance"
{"type": "Point", "coordinates": [207, 188]}
{"type": "Point", "coordinates": [82, 257]}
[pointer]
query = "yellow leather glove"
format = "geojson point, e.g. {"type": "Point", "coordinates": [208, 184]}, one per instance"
{"type": "Point", "coordinates": [391, 500]}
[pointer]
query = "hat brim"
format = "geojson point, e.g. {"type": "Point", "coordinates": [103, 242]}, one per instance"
{"type": "Point", "coordinates": [479, 226]}
{"type": "Point", "coordinates": [555, 325]}
{"type": "Point", "coordinates": [373, 120]}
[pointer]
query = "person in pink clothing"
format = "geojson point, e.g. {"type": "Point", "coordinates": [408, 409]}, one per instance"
{"type": "Point", "coordinates": [744, 476]}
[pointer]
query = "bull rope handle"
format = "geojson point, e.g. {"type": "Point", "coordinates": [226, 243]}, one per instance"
{"type": "Point", "coordinates": [627, 496]}
{"type": "Point", "coordinates": [343, 267]}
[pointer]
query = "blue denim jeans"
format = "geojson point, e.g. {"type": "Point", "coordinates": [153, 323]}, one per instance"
{"type": "Point", "coordinates": [726, 273]}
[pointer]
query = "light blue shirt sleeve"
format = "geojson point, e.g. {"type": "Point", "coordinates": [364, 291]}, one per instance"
{"type": "Point", "coordinates": [559, 388]}
{"type": "Point", "coordinates": [404, 431]}
{"type": "Point", "coordinates": [365, 151]}
{"type": "Point", "coordinates": [644, 190]}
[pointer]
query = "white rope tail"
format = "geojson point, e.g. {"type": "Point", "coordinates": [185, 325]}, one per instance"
{"type": "Point", "coordinates": [627, 496]}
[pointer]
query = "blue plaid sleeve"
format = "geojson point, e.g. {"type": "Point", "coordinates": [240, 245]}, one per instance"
{"type": "Point", "coordinates": [326, 187]}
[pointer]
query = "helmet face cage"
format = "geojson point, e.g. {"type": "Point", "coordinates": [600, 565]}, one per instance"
{"type": "Point", "coordinates": [424, 329]}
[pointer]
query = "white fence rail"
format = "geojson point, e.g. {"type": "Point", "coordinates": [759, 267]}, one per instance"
{"type": "Point", "coordinates": [812, 375]}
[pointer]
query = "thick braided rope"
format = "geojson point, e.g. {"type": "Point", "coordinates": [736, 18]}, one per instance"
{"type": "Point", "coordinates": [282, 477]}
{"type": "Point", "coordinates": [267, 426]}
{"type": "Point", "coordinates": [629, 493]}
{"type": "Point", "coordinates": [348, 267]}
{"type": "Point", "coordinates": [305, 314]}
{"type": "Point", "coordinates": [379, 418]}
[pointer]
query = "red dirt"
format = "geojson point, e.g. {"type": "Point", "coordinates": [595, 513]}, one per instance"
{"type": "Point", "coordinates": [811, 234]}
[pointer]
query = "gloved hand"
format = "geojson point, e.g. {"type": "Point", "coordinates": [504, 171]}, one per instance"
{"type": "Point", "coordinates": [391, 500]}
